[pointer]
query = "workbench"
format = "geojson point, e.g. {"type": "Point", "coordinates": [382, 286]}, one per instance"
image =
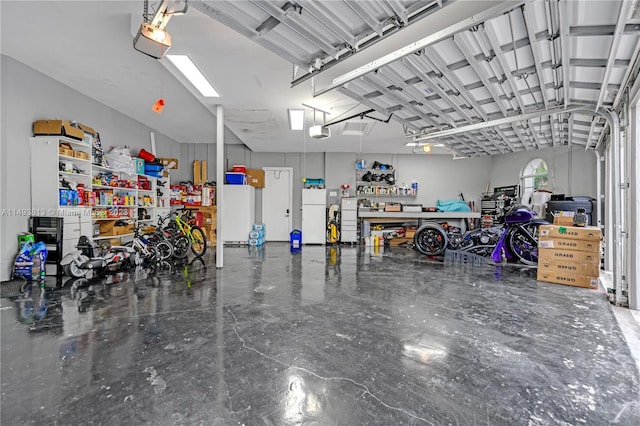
{"type": "Point", "coordinates": [394, 217]}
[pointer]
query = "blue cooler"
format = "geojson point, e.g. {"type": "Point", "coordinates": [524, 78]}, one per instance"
{"type": "Point", "coordinates": [234, 178]}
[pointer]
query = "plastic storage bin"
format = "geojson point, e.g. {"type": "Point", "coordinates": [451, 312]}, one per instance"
{"type": "Point", "coordinates": [138, 164]}
{"type": "Point", "coordinates": [295, 238]}
{"type": "Point", "coordinates": [235, 178]}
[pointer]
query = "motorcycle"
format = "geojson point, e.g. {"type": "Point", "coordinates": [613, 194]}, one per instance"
{"type": "Point", "coordinates": [517, 238]}
{"type": "Point", "coordinates": [86, 258]}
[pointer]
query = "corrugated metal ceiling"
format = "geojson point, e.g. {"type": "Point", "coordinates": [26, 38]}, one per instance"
{"type": "Point", "coordinates": [538, 55]}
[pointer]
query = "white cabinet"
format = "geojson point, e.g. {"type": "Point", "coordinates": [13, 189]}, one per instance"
{"type": "Point", "coordinates": [349, 220]}
{"type": "Point", "coordinates": [314, 216]}
{"type": "Point", "coordinates": [238, 213]}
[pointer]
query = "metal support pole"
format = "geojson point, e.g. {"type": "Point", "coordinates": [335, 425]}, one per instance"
{"type": "Point", "coordinates": [220, 184]}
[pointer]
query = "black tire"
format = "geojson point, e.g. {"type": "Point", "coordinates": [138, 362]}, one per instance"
{"type": "Point", "coordinates": [524, 245]}
{"type": "Point", "coordinates": [430, 239]}
{"type": "Point", "coordinates": [181, 247]}
{"type": "Point", "coordinates": [162, 250]}
{"type": "Point", "coordinates": [198, 241]}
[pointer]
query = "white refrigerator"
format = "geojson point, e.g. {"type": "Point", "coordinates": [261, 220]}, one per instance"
{"type": "Point", "coordinates": [238, 213]}
{"type": "Point", "coordinates": [314, 216]}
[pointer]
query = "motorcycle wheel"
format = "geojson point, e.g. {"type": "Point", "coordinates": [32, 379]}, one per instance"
{"type": "Point", "coordinates": [430, 240]}
{"type": "Point", "coordinates": [72, 270]}
{"type": "Point", "coordinates": [521, 245]}
{"type": "Point", "coordinates": [181, 246]}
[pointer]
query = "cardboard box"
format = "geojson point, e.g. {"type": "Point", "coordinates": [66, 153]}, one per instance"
{"type": "Point", "coordinates": [567, 279]}
{"type": "Point", "coordinates": [393, 208]}
{"type": "Point", "coordinates": [587, 233]}
{"type": "Point", "coordinates": [106, 227]}
{"type": "Point", "coordinates": [569, 256]}
{"type": "Point", "coordinates": [57, 127]}
{"type": "Point", "coordinates": [169, 163]}
{"type": "Point", "coordinates": [563, 220]}
{"type": "Point", "coordinates": [591, 269]}
{"type": "Point", "coordinates": [255, 178]}
{"type": "Point", "coordinates": [81, 155]}
{"type": "Point", "coordinates": [90, 135]}
{"type": "Point", "coordinates": [565, 244]}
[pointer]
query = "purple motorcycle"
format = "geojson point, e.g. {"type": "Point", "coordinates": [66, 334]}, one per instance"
{"type": "Point", "coordinates": [517, 238]}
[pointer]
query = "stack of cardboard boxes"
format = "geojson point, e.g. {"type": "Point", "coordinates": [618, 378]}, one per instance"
{"type": "Point", "coordinates": [569, 255]}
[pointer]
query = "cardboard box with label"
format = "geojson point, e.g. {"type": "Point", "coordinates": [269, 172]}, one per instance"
{"type": "Point", "coordinates": [557, 255]}
{"type": "Point", "coordinates": [255, 178]}
{"type": "Point", "coordinates": [577, 245]}
{"type": "Point", "coordinates": [591, 269]}
{"type": "Point", "coordinates": [567, 278]}
{"type": "Point", "coordinates": [588, 233]}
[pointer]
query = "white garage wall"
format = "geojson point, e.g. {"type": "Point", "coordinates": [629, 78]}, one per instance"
{"type": "Point", "coordinates": [505, 169]}
{"type": "Point", "coordinates": [439, 177]}
{"type": "Point", "coordinates": [28, 95]}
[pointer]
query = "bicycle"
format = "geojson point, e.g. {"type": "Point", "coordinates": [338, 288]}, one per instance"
{"type": "Point", "coordinates": [180, 242]}
{"type": "Point", "coordinates": [155, 251]}
{"type": "Point", "coordinates": [193, 232]}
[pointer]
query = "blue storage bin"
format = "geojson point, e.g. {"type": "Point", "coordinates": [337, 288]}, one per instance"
{"type": "Point", "coordinates": [233, 178]}
{"type": "Point", "coordinates": [153, 174]}
{"type": "Point", "coordinates": [295, 238]}
{"type": "Point", "coordinates": [153, 167]}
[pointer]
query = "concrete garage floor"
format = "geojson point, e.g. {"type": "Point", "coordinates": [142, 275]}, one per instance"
{"type": "Point", "coordinates": [322, 337]}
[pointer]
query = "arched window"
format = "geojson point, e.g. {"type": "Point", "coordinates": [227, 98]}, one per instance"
{"type": "Point", "coordinates": [534, 176]}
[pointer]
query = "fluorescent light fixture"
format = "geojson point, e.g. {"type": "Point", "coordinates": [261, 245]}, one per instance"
{"type": "Point", "coordinates": [193, 74]}
{"type": "Point", "coordinates": [296, 119]}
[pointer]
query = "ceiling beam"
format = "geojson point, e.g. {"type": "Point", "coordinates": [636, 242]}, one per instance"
{"type": "Point", "coordinates": [449, 79]}
{"type": "Point", "coordinates": [396, 79]}
{"type": "Point", "coordinates": [420, 44]}
{"type": "Point", "coordinates": [221, 16]}
{"type": "Point", "coordinates": [330, 20]}
{"type": "Point", "coordinates": [384, 111]}
{"type": "Point", "coordinates": [500, 121]}
{"type": "Point", "coordinates": [366, 17]}
{"type": "Point", "coordinates": [495, 45]}
{"type": "Point", "coordinates": [529, 23]}
{"type": "Point", "coordinates": [286, 16]}
{"type": "Point", "coordinates": [563, 17]}
{"type": "Point", "coordinates": [460, 42]}
{"type": "Point", "coordinates": [372, 80]}
{"type": "Point", "coordinates": [399, 10]}
{"type": "Point", "coordinates": [613, 50]}
{"type": "Point", "coordinates": [409, 62]}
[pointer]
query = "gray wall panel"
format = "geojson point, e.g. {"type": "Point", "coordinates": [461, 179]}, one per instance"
{"type": "Point", "coordinates": [28, 95]}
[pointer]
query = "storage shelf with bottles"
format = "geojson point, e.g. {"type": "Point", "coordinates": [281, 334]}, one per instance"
{"type": "Point", "coordinates": [381, 182]}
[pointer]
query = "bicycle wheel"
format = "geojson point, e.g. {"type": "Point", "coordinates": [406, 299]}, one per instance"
{"type": "Point", "coordinates": [198, 241]}
{"type": "Point", "coordinates": [181, 247]}
{"type": "Point", "coordinates": [162, 250]}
